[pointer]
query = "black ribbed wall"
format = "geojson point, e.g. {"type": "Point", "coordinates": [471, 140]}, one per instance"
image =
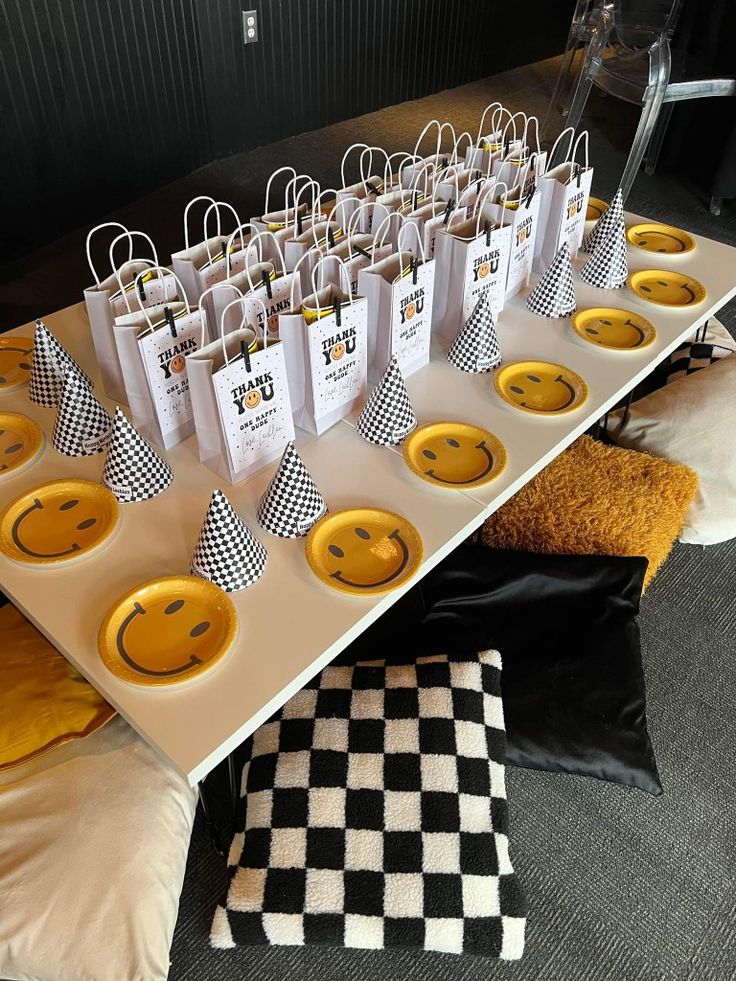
{"type": "Point", "coordinates": [101, 100]}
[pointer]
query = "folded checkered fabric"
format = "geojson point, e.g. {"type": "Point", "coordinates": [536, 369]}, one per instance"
{"type": "Point", "coordinates": [375, 816]}
{"type": "Point", "coordinates": [707, 347]}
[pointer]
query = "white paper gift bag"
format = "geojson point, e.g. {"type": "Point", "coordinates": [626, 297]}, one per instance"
{"type": "Point", "coordinates": [266, 280]}
{"type": "Point", "coordinates": [564, 189]}
{"type": "Point", "coordinates": [153, 343]}
{"type": "Point", "coordinates": [242, 411]}
{"type": "Point", "coordinates": [472, 256]}
{"type": "Point", "coordinates": [206, 262]}
{"type": "Point", "coordinates": [280, 221]}
{"type": "Point", "coordinates": [316, 233]}
{"type": "Point", "coordinates": [367, 188]}
{"type": "Point", "coordinates": [325, 344]}
{"type": "Point", "coordinates": [356, 250]}
{"type": "Point", "coordinates": [400, 292]}
{"type": "Point", "coordinates": [108, 299]}
{"type": "Point", "coordinates": [520, 208]}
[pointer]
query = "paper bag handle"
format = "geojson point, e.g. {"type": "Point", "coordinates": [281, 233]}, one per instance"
{"type": "Point", "coordinates": [379, 237]}
{"type": "Point", "coordinates": [567, 134]}
{"type": "Point", "coordinates": [238, 301]}
{"type": "Point", "coordinates": [343, 272]}
{"type": "Point", "coordinates": [487, 191]}
{"type": "Point", "coordinates": [211, 289]}
{"type": "Point", "coordinates": [182, 292]}
{"type": "Point", "coordinates": [257, 238]}
{"type": "Point", "coordinates": [98, 228]}
{"type": "Point", "coordinates": [215, 206]}
{"type": "Point", "coordinates": [388, 170]}
{"type": "Point", "coordinates": [269, 182]}
{"type": "Point", "coordinates": [354, 146]}
{"type": "Point", "coordinates": [352, 222]}
{"type": "Point", "coordinates": [295, 278]}
{"type": "Point", "coordinates": [200, 197]}
{"type": "Point", "coordinates": [493, 106]}
{"type": "Point", "coordinates": [129, 235]}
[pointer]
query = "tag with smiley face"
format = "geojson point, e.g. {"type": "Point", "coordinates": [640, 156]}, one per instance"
{"type": "Point", "coordinates": [58, 522]}
{"type": "Point", "coordinates": [364, 551]}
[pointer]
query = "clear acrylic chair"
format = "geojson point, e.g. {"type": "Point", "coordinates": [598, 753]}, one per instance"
{"type": "Point", "coordinates": [629, 57]}
{"type": "Point", "coordinates": [586, 17]}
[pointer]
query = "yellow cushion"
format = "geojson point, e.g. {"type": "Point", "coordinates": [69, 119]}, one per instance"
{"type": "Point", "coordinates": [45, 701]}
{"type": "Point", "coordinates": [598, 500]}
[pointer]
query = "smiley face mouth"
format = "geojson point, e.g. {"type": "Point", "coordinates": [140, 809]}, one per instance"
{"type": "Point", "coordinates": [394, 536]}
{"type": "Point", "coordinates": [559, 408]}
{"type": "Point", "coordinates": [639, 331]}
{"type": "Point", "coordinates": [678, 242]}
{"type": "Point", "coordinates": [690, 293]}
{"type": "Point", "coordinates": [36, 506]}
{"type": "Point", "coordinates": [120, 644]}
{"type": "Point", "coordinates": [468, 480]}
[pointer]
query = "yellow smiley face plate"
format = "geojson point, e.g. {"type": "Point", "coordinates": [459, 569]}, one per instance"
{"type": "Point", "coordinates": [596, 208]}
{"type": "Point", "coordinates": [614, 329]}
{"type": "Point", "coordinates": [454, 454]}
{"type": "Point", "coordinates": [666, 288]}
{"type": "Point", "coordinates": [21, 443]}
{"type": "Point", "coordinates": [58, 522]}
{"type": "Point", "coordinates": [168, 631]}
{"type": "Point", "coordinates": [364, 551]}
{"type": "Point", "coordinates": [663, 239]}
{"type": "Point", "coordinates": [16, 356]}
{"type": "Point", "coordinates": [540, 387]}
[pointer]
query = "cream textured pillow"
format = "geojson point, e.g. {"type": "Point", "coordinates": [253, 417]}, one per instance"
{"type": "Point", "coordinates": [693, 421]}
{"type": "Point", "coordinates": [93, 848]}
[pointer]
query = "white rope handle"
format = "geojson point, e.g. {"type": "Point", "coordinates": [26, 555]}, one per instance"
{"type": "Point", "coordinates": [308, 256]}
{"type": "Point", "coordinates": [309, 185]}
{"type": "Point", "coordinates": [366, 177]}
{"type": "Point", "coordinates": [494, 106]}
{"type": "Point", "coordinates": [496, 123]}
{"type": "Point", "coordinates": [319, 216]}
{"type": "Point", "coordinates": [93, 231]}
{"type": "Point", "coordinates": [118, 269]}
{"type": "Point", "coordinates": [239, 301]}
{"type": "Point", "coordinates": [529, 120]}
{"type": "Point", "coordinates": [215, 206]}
{"type": "Point", "coordinates": [352, 222]}
{"type": "Point", "coordinates": [341, 205]}
{"type": "Point", "coordinates": [455, 155]}
{"type": "Point", "coordinates": [200, 197]}
{"type": "Point", "coordinates": [403, 228]}
{"type": "Point", "coordinates": [388, 170]}
{"type": "Point", "coordinates": [486, 192]}
{"type": "Point", "coordinates": [280, 170]}
{"type": "Point", "coordinates": [379, 237]}
{"type": "Point", "coordinates": [239, 231]}
{"type": "Point", "coordinates": [353, 146]}
{"type": "Point", "coordinates": [182, 291]}
{"type": "Point", "coordinates": [343, 272]}
{"type": "Point", "coordinates": [567, 133]}
{"type": "Point", "coordinates": [225, 285]}
{"type": "Point", "coordinates": [257, 238]}
{"type": "Point", "coordinates": [582, 138]}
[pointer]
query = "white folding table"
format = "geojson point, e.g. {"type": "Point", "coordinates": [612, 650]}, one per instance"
{"type": "Point", "coordinates": [291, 625]}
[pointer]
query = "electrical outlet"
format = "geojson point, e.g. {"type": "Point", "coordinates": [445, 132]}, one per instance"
{"type": "Point", "coordinates": [250, 26]}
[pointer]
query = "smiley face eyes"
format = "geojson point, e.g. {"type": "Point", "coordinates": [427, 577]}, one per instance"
{"type": "Point", "coordinates": [201, 628]}
{"type": "Point", "coordinates": [339, 553]}
{"type": "Point", "coordinates": [450, 442]}
{"type": "Point", "coordinates": [14, 448]}
{"type": "Point", "coordinates": [83, 525]}
{"type": "Point", "coordinates": [68, 505]}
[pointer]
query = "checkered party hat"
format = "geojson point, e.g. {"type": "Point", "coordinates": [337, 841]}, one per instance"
{"type": "Point", "coordinates": [387, 417]}
{"type": "Point", "coordinates": [608, 266]}
{"type": "Point", "coordinates": [227, 552]}
{"type": "Point", "coordinates": [51, 363]}
{"type": "Point", "coordinates": [133, 469]}
{"type": "Point", "coordinates": [476, 346]}
{"type": "Point", "coordinates": [82, 426]}
{"type": "Point", "coordinates": [612, 216]}
{"type": "Point", "coordinates": [291, 503]}
{"type": "Point", "coordinates": [554, 294]}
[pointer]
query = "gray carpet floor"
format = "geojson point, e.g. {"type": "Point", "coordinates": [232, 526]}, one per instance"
{"type": "Point", "coordinates": [620, 885]}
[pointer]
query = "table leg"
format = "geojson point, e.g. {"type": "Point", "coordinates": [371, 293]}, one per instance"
{"type": "Point", "coordinates": [234, 788]}
{"type": "Point", "coordinates": [212, 830]}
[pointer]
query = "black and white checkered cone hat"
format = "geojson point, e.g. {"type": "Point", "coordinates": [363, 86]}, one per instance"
{"type": "Point", "coordinates": [291, 503]}
{"type": "Point", "coordinates": [387, 417]}
{"type": "Point", "coordinates": [476, 346]}
{"type": "Point", "coordinates": [51, 363]}
{"type": "Point", "coordinates": [613, 216]}
{"type": "Point", "coordinates": [133, 469]}
{"type": "Point", "coordinates": [227, 552]}
{"type": "Point", "coordinates": [554, 294]}
{"type": "Point", "coordinates": [82, 426]}
{"type": "Point", "coordinates": [608, 266]}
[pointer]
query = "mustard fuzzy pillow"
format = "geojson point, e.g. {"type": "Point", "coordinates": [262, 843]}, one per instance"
{"type": "Point", "coordinates": [598, 500]}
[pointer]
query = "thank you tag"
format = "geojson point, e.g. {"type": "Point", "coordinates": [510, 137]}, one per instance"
{"type": "Point", "coordinates": [485, 270]}
{"type": "Point", "coordinates": [411, 315]}
{"type": "Point", "coordinates": [254, 407]}
{"type": "Point", "coordinates": [338, 356]}
{"type": "Point", "coordinates": [164, 359]}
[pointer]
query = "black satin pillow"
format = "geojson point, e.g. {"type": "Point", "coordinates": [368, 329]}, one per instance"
{"type": "Point", "coordinates": [573, 686]}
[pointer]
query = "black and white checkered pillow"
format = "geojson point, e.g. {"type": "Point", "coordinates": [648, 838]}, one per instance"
{"type": "Point", "coordinates": [711, 343]}
{"type": "Point", "coordinates": [375, 816]}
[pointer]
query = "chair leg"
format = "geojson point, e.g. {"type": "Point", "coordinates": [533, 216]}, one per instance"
{"type": "Point", "coordinates": [715, 206]}
{"type": "Point", "coordinates": [655, 144]}
{"type": "Point", "coordinates": [649, 113]}
{"type": "Point", "coordinates": [212, 830]}
{"type": "Point", "coordinates": [561, 85]}
{"type": "Point", "coordinates": [234, 789]}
